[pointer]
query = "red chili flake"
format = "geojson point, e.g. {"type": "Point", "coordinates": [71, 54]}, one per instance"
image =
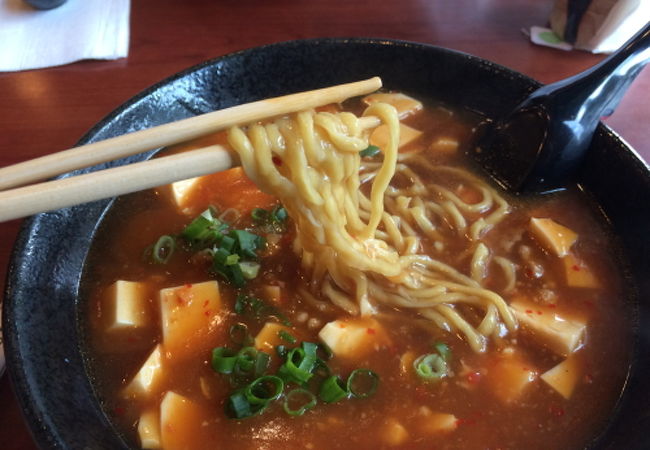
{"type": "Point", "coordinates": [576, 267]}
{"type": "Point", "coordinates": [529, 273]}
{"type": "Point", "coordinates": [276, 160]}
{"type": "Point", "coordinates": [207, 312]}
{"type": "Point", "coordinates": [205, 303]}
{"type": "Point", "coordinates": [180, 300]}
{"type": "Point", "coordinates": [539, 313]}
{"type": "Point", "coordinates": [119, 411]}
{"type": "Point", "coordinates": [468, 421]}
{"type": "Point", "coordinates": [421, 391]}
{"type": "Point", "coordinates": [471, 419]}
{"type": "Point", "coordinates": [370, 331]}
{"type": "Point", "coordinates": [188, 285]}
{"type": "Point", "coordinates": [556, 410]}
{"type": "Point", "coordinates": [529, 311]}
{"type": "Point", "coordinates": [473, 377]}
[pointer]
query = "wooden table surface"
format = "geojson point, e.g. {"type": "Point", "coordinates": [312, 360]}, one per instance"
{"type": "Point", "coordinates": [44, 111]}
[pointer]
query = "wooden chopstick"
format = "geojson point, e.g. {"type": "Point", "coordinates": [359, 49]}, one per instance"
{"type": "Point", "coordinates": [64, 192]}
{"type": "Point", "coordinates": [24, 201]}
{"type": "Point", "coordinates": [176, 132]}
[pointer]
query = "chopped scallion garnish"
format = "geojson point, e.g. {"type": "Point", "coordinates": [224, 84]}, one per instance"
{"type": "Point", "coordinates": [298, 401]}
{"type": "Point", "coordinates": [259, 215]}
{"type": "Point", "coordinates": [430, 367]}
{"type": "Point", "coordinates": [332, 390]}
{"type": "Point", "coordinates": [256, 308]}
{"type": "Point", "coordinates": [223, 360]}
{"type": "Point", "coordinates": [163, 249]}
{"type": "Point", "coordinates": [362, 383]}
{"type": "Point", "coordinates": [369, 151]}
{"type": "Point", "coordinates": [264, 389]}
{"type": "Point", "coordinates": [205, 230]}
{"type": "Point", "coordinates": [286, 337]}
{"type": "Point", "coordinates": [240, 335]}
{"type": "Point", "coordinates": [249, 269]}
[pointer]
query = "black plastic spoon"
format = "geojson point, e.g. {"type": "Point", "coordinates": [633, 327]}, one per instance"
{"type": "Point", "coordinates": [542, 141]}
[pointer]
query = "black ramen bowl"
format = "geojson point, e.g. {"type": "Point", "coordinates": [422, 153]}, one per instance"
{"type": "Point", "coordinates": [43, 316]}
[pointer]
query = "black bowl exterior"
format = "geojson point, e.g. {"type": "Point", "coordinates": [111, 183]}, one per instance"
{"type": "Point", "coordinates": [43, 317]}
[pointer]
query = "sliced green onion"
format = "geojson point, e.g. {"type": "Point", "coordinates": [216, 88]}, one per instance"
{"type": "Point", "coordinates": [362, 383]}
{"type": "Point", "coordinates": [246, 358]}
{"type": "Point", "coordinates": [248, 243]}
{"type": "Point", "coordinates": [430, 367]}
{"type": "Point", "coordinates": [369, 151]}
{"type": "Point", "coordinates": [304, 399]}
{"type": "Point", "coordinates": [231, 260]}
{"type": "Point", "coordinates": [205, 230]}
{"type": "Point", "coordinates": [282, 351]}
{"type": "Point", "coordinates": [163, 249]}
{"type": "Point", "coordinates": [260, 215]}
{"type": "Point", "coordinates": [264, 390]}
{"type": "Point", "coordinates": [227, 243]}
{"type": "Point", "coordinates": [237, 276]}
{"type": "Point", "coordinates": [286, 337]}
{"type": "Point", "coordinates": [332, 390]}
{"type": "Point", "coordinates": [249, 269]}
{"type": "Point", "coordinates": [324, 348]}
{"type": "Point", "coordinates": [279, 214]}
{"type": "Point", "coordinates": [223, 360]}
{"type": "Point", "coordinates": [298, 366]}
{"type": "Point", "coordinates": [262, 362]}
{"type": "Point", "coordinates": [239, 335]}
{"type": "Point", "coordinates": [238, 406]}
{"type": "Point", "coordinates": [257, 309]}
{"type": "Point", "coordinates": [443, 350]}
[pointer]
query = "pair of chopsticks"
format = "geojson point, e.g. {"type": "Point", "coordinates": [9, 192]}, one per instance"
{"type": "Point", "coordinates": [61, 193]}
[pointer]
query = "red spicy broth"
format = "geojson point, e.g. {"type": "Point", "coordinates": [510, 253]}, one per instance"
{"type": "Point", "coordinates": [495, 399]}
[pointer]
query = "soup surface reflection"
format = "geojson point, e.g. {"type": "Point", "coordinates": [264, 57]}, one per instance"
{"type": "Point", "coordinates": [552, 383]}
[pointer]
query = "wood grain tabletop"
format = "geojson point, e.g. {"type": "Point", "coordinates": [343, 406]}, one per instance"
{"type": "Point", "coordinates": [44, 111]}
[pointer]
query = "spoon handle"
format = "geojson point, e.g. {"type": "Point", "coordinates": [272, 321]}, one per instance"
{"type": "Point", "coordinates": [596, 92]}
{"type": "Point", "coordinates": [544, 139]}
{"type": "Point", "coordinates": [620, 69]}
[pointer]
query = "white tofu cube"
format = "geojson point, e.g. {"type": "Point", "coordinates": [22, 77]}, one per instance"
{"type": "Point", "coordinates": [430, 422]}
{"type": "Point", "coordinates": [404, 104]}
{"type": "Point", "coordinates": [148, 378]}
{"type": "Point", "coordinates": [269, 336]}
{"type": "Point", "coordinates": [182, 191]}
{"type": "Point", "coordinates": [509, 376]}
{"type": "Point", "coordinates": [380, 135]}
{"type": "Point", "coordinates": [127, 305]}
{"type": "Point", "coordinates": [578, 274]}
{"type": "Point", "coordinates": [554, 237]}
{"type": "Point", "coordinates": [189, 313]}
{"type": "Point", "coordinates": [149, 429]}
{"type": "Point", "coordinates": [393, 433]}
{"type": "Point", "coordinates": [354, 338]}
{"type": "Point", "coordinates": [561, 334]}
{"type": "Point", "coordinates": [181, 421]}
{"type": "Point", "coordinates": [564, 377]}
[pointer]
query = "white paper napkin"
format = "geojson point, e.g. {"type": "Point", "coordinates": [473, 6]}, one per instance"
{"type": "Point", "coordinates": [76, 30]}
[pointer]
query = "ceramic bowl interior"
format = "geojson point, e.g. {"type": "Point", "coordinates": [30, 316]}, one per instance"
{"type": "Point", "coordinates": [42, 313]}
